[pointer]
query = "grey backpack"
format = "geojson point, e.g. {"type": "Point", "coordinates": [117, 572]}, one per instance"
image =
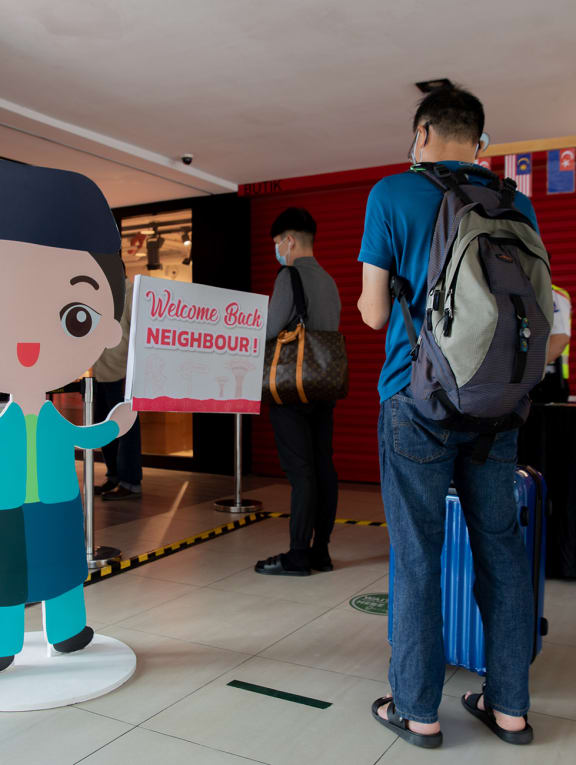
{"type": "Point", "coordinates": [489, 311]}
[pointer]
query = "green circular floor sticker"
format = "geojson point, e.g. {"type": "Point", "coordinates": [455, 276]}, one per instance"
{"type": "Point", "coordinates": [371, 603]}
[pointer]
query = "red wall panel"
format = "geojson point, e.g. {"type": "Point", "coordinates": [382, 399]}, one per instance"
{"type": "Point", "coordinates": [337, 203]}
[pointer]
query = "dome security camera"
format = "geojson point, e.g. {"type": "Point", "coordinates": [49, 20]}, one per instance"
{"type": "Point", "coordinates": [187, 159]}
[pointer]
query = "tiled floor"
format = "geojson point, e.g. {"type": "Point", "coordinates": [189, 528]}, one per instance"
{"type": "Point", "coordinates": [202, 618]}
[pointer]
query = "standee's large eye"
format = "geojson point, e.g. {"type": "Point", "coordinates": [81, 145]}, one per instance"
{"type": "Point", "coordinates": [78, 320]}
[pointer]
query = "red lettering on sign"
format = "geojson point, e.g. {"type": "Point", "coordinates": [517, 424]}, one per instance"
{"type": "Point", "coordinates": [163, 305]}
{"type": "Point", "coordinates": [153, 336]}
{"type": "Point", "coordinates": [234, 317]}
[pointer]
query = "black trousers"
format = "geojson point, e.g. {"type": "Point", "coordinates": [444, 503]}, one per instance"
{"type": "Point", "coordinates": [123, 456]}
{"type": "Point", "coordinates": [303, 434]}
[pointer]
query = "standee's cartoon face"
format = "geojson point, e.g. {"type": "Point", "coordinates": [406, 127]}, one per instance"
{"type": "Point", "coordinates": [61, 321]}
{"type": "Point", "coordinates": [61, 297]}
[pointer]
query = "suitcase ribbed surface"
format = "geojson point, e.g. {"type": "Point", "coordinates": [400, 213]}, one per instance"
{"type": "Point", "coordinates": [463, 631]}
{"type": "Point", "coordinates": [463, 628]}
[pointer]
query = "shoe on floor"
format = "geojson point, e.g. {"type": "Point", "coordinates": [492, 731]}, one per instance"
{"type": "Point", "coordinates": [107, 486]}
{"type": "Point", "coordinates": [399, 726]}
{"type": "Point", "coordinates": [76, 642]}
{"type": "Point", "coordinates": [278, 565]}
{"type": "Point", "coordinates": [320, 560]}
{"type": "Point", "coordinates": [120, 493]}
{"type": "Point", "coordinates": [487, 716]}
{"type": "Point", "coordinates": [5, 662]}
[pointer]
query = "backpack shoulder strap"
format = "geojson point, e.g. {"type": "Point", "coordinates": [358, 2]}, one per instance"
{"type": "Point", "coordinates": [400, 289]}
{"type": "Point", "coordinates": [507, 192]}
{"type": "Point", "coordinates": [443, 178]}
{"type": "Point", "coordinates": [298, 292]}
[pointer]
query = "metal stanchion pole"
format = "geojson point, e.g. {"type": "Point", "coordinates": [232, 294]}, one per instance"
{"type": "Point", "coordinates": [237, 504]}
{"type": "Point", "coordinates": [101, 556]}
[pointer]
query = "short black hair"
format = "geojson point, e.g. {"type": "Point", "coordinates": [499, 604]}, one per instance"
{"type": "Point", "coordinates": [61, 209]}
{"type": "Point", "coordinates": [454, 112]}
{"type": "Point", "coordinates": [115, 273]}
{"type": "Point", "coordinates": [295, 219]}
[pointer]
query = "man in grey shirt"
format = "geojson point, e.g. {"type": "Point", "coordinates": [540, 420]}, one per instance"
{"type": "Point", "coordinates": [303, 432]}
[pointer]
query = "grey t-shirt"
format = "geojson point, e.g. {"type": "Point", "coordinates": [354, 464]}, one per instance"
{"type": "Point", "coordinates": [320, 291]}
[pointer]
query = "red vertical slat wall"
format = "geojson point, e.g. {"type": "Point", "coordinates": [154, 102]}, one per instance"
{"type": "Point", "coordinates": [339, 212]}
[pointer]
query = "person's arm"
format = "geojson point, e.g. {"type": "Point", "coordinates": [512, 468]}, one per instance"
{"type": "Point", "coordinates": [557, 345]}
{"type": "Point", "coordinates": [281, 305]}
{"type": "Point", "coordinates": [376, 255]}
{"type": "Point", "coordinates": [374, 302]}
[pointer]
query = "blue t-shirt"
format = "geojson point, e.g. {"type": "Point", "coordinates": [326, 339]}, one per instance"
{"type": "Point", "coordinates": [400, 218]}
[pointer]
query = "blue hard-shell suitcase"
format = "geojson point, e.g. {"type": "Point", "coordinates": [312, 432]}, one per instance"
{"type": "Point", "coordinates": [463, 630]}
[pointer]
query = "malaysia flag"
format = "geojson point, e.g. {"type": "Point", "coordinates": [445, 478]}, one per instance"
{"type": "Point", "coordinates": [561, 171]}
{"type": "Point", "coordinates": [485, 162]}
{"type": "Point", "coordinates": [519, 168]}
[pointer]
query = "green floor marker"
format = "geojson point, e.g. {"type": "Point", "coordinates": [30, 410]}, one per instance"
{"type": "Point", "coordinates": [371, 603]}
{"type": "Point", "coordinates": [280, 694]}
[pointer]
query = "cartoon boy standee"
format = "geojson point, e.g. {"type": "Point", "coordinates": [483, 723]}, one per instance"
{"type": "Point", "coordinates": [61, 298]}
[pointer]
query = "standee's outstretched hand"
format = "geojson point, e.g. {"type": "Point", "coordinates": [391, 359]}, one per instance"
{"type": "Point", "coordinates": [123, 416]}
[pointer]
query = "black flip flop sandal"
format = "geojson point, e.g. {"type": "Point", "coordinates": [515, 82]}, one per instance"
{"type": "Point", "coordinates": [399, 726]}
{"type": "Point", "coordinates": [487, 716]}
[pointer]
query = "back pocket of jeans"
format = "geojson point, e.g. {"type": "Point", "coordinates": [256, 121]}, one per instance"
{"type": "Point", "coordinates": [415, 437]}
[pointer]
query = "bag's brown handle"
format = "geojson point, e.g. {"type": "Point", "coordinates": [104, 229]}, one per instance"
{"type": "Point", "coordinates": [284, 338]}
{"type": "Point", "coordinates": [273, 370]}
{"type": "Point", "coordinates": [300, 364]}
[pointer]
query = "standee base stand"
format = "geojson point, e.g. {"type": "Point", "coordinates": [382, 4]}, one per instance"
{"type": "Point", "coordinates": [37, 680]}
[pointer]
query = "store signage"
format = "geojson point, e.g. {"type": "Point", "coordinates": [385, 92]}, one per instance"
{"type": "Point", "coordinates": [265, 187]}
{"type": "Point", "coordinates": [371, 603]}
{"type": "Point", "coordinates": [195, 348]}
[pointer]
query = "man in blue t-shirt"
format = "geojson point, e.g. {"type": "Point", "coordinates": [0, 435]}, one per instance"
{"type": "Point", "coordinates": [419, 458]}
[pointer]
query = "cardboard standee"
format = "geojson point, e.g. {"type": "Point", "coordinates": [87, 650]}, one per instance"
{"type": "Point", "coordinates": [61, 298]}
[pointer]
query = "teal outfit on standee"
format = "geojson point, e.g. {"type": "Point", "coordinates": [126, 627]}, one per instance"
{"type": "Point", "coordinates": [42, 548]}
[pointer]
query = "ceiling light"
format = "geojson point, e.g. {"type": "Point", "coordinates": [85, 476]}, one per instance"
{"type": "Point", "coordinates": [427, 86]}
{"type": "Point", "coordinates": [186, 241]}
{"type": "Point", "coordinates": [153, 245]}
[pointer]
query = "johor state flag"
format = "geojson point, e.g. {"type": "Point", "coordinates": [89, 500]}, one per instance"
{"type": "Point", "coordinates": [484, 162]}
{"type": "Point", "coordinates": [519, 168]}
{"type": "Point", "coordinates": [561, 171]}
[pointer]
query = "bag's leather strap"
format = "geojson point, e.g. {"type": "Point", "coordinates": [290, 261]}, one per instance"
{"type": "Point", "coordinates": [273, 371]}
{"type": "Point", "coordinates": [298, 293]}
{"type": "Point", "coordinates": [300, 365]}
{"type": "Point", "coordinates": [284, 338]}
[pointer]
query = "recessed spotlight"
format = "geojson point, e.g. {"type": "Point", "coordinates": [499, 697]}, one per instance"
{"type": "Point", "coordinates": [427, 86]}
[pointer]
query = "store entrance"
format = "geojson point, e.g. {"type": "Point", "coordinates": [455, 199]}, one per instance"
{"type": "Point", "coordinates": [160, 245]}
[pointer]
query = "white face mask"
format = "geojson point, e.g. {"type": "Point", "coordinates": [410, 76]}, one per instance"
{"type": "Point", "coordinates": [282, 258]}
{"type": "Point", "coordinates": [412, 152]}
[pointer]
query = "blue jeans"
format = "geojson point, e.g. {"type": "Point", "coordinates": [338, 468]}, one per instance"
{"type": "Point", "coordinates": [418, 460]}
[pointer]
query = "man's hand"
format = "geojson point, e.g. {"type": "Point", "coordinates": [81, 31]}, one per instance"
{"type": "Point", "coordinates": [123, 416]}
{"type": "Point", "coordinates": [374, 302]}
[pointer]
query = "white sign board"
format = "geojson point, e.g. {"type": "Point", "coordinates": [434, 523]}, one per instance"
{"type": "Point", "coordinates": [195, 348]}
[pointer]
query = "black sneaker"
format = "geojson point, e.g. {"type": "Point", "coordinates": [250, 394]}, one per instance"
{"type": "Point", "coordinates": [320, 560]}
{"type": "Point", "coordinates": [5, 662]}
{"type": "Point", "coordinates": [120, 493]}
{"type": "Point", "coordinates": [76, 642]}
{"type": "Point", "coordinates": [108, 486]}
{"type": "Point", "coordinates": [277, 565]}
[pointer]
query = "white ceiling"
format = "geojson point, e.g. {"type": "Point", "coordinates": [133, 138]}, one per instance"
{"type": "Point", "coordinates": [264, 89]}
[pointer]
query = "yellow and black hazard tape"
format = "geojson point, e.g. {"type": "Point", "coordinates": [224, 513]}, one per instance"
{"type": "Point", "coordinates": [342, 521]}
{"type": "Point", "coordinates": [119, 566]}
